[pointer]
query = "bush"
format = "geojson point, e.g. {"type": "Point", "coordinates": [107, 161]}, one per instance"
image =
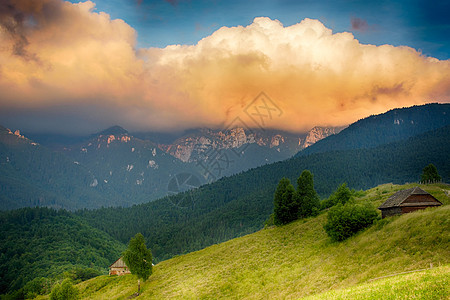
{"type": "Point", "coordinates": [35, 287]}
{"type": "Point", "coordinates": [341, 195]}
{"type": "Point", "coordinates": [82, 274]}
{"type": "Point", "coordinates": [343, 221]}
{"type": "Point", "coordinates": [64, 291]}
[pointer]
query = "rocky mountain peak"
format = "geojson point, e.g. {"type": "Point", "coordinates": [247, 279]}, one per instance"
{"type": "Point", "coordinates": [114, 130]}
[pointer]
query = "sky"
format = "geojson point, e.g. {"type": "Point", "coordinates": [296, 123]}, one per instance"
{"type": "Point", "coordinates": [170, 65]}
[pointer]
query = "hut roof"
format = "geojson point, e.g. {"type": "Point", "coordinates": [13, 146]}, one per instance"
{"type": "Point", "coordinates": [118, 264]}
{"type": "Point", "coordinates": [397, 199]}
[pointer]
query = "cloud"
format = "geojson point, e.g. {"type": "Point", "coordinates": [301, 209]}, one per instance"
{"type": "Point", "coordinates": [359, 24]}
{"type": "Point", "coordinates": [89, 64]}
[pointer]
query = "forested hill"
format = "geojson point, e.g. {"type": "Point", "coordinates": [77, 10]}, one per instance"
{"type": "Point", "coordinates": [240, 204]}
{"type": "Point", "coordinates": [33, 175]}
{"type": "Point", "coordinates": [42, 242]}
{"type": "Point", "coordinates": [394, 125]}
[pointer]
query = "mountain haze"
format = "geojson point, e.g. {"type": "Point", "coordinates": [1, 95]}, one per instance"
{"type": "Point", "coordinates": [115, 168]}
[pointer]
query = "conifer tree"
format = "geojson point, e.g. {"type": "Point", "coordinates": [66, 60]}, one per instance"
{"type": "Point", "coordinates": [307, 200]}
{"type": "Point", "coordinates": [285, 208]}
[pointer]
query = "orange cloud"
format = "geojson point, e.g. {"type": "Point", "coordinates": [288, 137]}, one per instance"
{"type": "Point", "coordinates": [78, 57]}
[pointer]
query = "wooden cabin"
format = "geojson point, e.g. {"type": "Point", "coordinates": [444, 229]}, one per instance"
{"type": "Point", "coordinates": [406, 201]}
{"type": "Point", "coordinates": [119, 268]}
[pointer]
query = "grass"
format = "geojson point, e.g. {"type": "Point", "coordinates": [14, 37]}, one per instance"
{"type": "Point", "coordinates": [431, 284]}
{"type": "Point", "coordinates": [299, 260]}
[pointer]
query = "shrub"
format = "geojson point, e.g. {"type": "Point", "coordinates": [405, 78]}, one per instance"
{"type": "Point", "coordinates": [81, 274]}
{"type": "Point", "coordinates": [64, 291]}
{"type": "Point", "coordinates": [343, 221]}
{"type": "Point", "coordinates": [341, 195]}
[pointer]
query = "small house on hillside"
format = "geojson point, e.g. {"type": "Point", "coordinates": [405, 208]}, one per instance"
{"type": "Point", "coordinates": [407, 201]}
{"type": "Point", "coordinates": [119, 268]}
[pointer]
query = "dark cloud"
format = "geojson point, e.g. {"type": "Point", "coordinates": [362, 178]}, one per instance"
{"type": "Point", "coordinates": [12, 21]}
{"type": "Point", "coordinates": [18, 17]}
{"type": "Point", "coordinates": [359, 24]}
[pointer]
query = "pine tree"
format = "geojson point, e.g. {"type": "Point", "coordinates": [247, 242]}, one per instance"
{"type": "Point", "coordinates": [307, 200]}
{"type": "Point", "coordinates": [285, 208]}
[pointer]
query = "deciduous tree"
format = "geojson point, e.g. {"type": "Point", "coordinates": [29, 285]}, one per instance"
{"type": "Point", "coordinates": [138, 258]}
{"type": "Point", "coordinates": [430, 174]}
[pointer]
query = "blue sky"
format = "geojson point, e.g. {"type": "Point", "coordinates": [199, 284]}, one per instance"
{"type": "Point", "coordinates": [423, 25]}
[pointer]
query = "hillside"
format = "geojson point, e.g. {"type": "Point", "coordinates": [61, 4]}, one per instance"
{"type": "Point", "coordinates": [298, 259]}
{"type": "Point", "coordinates": [238, 205]}
{"type": "Point", "coordinates": [33, 175]}
{"type": "Point", "coordinates": [42, 242]}
{"type": "Point", "coordinates": [394, 125]}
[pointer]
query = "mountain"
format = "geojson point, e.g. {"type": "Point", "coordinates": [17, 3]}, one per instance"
{"type": "Point", "coordinates": [115, 168]}
{"type": "Point", "coordinates": [298, 260]}
{"type": "Point", "coordinates": [195, 145]}
{"type": "Point", "coordinates": [127, 169]}
{"type": "Point", "coordinates": [394, 125]}
{"type": "Point", "coordinates": [218, 153]}
{"type": "Point", "coordinates": [238, 205]}
{"type": "Point", "coordinates": [114, 130]}
{"type": "Point", "coordinates": [319, 133]}
{"type": "Point", "coordinates": [33, 175]}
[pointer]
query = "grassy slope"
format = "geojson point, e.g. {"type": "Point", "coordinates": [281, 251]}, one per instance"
{"type": "Point", "coordinates": [298, 259]}
{"type": "Point", "coordinates": [429, 284]}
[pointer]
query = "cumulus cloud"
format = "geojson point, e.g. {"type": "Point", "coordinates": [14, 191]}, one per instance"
{"type": "Point", "coordinates": [86, 60]}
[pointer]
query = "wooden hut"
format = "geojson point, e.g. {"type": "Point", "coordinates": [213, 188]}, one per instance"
{"type": "Point", "coordinates": [119, 268]}
{"type": "Point", "coordinates": [406, 201]}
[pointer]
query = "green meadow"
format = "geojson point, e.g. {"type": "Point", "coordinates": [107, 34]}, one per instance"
{"type": "Point", "coordinates": [299, 260]}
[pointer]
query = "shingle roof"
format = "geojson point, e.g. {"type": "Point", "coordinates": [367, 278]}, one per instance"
{"type": "Point", "coordinates": [397, 199]}
{"type": "Point", "coordinates": [118, 264]}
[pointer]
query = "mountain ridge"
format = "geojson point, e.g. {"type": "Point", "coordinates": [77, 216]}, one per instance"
{"type": "Point", "coordinates": [393, 125]}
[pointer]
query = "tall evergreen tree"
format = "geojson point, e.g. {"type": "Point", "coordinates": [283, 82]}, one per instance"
{"type": "Point", "coordinates": [430, 174]}
{"type": "Point", "coordinates": [307, 200]}
{"type": "Point", "coordinates": [285, 208]}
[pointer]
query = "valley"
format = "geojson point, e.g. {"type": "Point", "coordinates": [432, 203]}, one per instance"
{"type": "Point", "coordinates": [187, 221]}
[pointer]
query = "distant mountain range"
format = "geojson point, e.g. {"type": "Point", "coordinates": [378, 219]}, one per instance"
{"type": "Point", "coordinates": [116, 168]}
{"type": "Point", "coordinates": [239, 204]}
